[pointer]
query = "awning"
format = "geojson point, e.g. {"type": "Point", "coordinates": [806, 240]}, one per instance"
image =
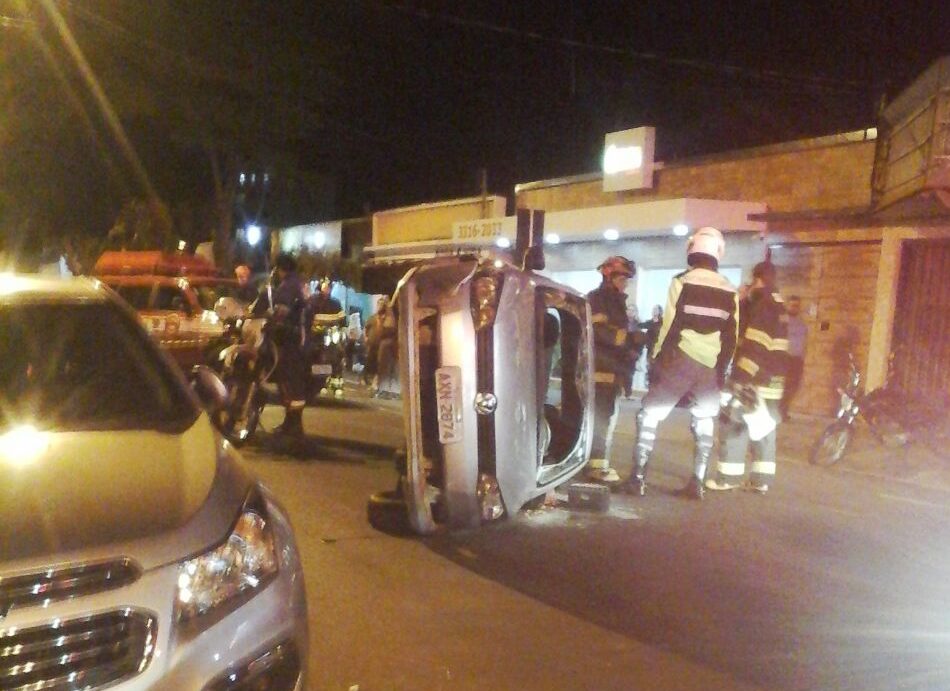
{"type": "Point", "coordinates": [654, 218]}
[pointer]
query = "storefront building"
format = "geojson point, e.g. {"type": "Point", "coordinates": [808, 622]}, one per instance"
{"type": "Point", "coordinates": [857, 223]}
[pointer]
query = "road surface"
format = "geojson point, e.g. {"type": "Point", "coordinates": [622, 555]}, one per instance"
{"type": "Point", "coordinates": [834, 580]}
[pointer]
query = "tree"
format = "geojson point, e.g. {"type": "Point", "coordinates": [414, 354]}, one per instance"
{"type": "Point", "coordinates": [106, 101]}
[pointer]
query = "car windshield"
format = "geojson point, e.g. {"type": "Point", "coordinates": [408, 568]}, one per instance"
{"type": "Point", "coordinates": [209, 293]}
{"type": "Point", "coordinates": [83, 366]}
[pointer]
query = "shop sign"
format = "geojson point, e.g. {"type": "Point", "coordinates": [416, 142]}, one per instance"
{"type": "Point", "coordinates": [484, 229]}
{"type": "Point", "coordinates": [628, 159]}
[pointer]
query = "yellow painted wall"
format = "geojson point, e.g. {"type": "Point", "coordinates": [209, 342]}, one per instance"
{"type": "Point", "coordinates": [431, 221]}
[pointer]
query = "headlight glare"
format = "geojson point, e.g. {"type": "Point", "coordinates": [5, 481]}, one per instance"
{"type": "Point", "coordinates": [244, 562]}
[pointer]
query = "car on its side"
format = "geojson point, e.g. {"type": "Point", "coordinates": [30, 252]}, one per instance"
{"type": "Point", "coordinates": [496, 370]}
{"type": "Point", "coordinates": [136, 549]}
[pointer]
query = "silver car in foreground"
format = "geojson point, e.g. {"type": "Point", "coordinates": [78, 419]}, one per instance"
{"type": "Point", "coordinates": [496, 374]}
{"type": "Point", "coordinates": [136, 551]}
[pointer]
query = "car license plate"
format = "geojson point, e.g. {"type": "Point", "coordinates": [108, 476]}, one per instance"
{"type": "Point", "coordinates": [448, 392]}
{"type": "Point", "coordinates": [321, 369]}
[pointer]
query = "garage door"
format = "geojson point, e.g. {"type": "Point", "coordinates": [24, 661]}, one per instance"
{"type": "Point", "coordinates": [922, 319]}
{"type": "Point", "coordinates": [837, 283]}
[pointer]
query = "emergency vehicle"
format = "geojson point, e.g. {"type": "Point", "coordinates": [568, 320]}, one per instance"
{"type": "Point", "coordinates": [174, 295]}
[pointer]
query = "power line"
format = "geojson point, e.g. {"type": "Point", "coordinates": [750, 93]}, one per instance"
{"type": "Point", "coordinates": [815, 82]}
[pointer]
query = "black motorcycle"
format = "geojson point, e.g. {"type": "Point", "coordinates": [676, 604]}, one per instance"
{"type": "Point", "coordinates": [245, 364]}
{"type": "Point", "coordinates": [326, 356]}
{"type": "Point", "coordinates": [893, 419]}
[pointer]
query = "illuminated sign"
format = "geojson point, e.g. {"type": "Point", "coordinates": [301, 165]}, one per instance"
{"type": "Point", "coordinates": [628, 159]}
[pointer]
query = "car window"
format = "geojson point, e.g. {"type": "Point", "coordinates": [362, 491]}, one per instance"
{"type": "Point", "coordinates": [171, 298]}
{"type": "Point", "coordinates": [83, 366]}
{"type": "Point", "coordinates": [208, 294]}
{"type": "Point", "coordinates": [559, 329]}
{"type": "Point", "coordinates": [137, 296]}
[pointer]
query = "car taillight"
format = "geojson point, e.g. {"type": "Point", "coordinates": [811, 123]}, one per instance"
{"type": "Point", "coordinates": [486, 291]}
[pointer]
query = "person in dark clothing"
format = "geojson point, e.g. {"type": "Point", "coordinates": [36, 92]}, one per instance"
{"type": "Point", "coordinates": [693, 350]}
{"type": "Point", "coordinates": [245, 291]}
{"type": "Point", "coordinates": [288, 324]}
{"type": "Point", "coordinates": [615, 349]}
{"type": "Point", "coordinates": [797, 340]}
{"type": "Point", "coordinates": [651, 329]}
{"type": "Point", "coordinates": [760, 365]}
{"type": "Point", "coordinates": [327, 313]}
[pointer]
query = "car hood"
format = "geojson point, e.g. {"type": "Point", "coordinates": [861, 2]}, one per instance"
{"type": "Point", "coordinates": [78, 492]}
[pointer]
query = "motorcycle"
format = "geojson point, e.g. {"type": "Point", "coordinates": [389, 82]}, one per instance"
{"type": "Point", "coordinates": [326, 356]}
{"type": "Point", "coordinates": [882, 409]}
{"type": "Point", "coordinates": [245, 362]}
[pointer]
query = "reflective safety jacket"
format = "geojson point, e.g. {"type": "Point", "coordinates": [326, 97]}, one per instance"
{"type": "Point", "coordinates": [326, 311]}
{"type": "Point", "coordinates": [615, 345]}
{"type": "Point", "coordinates": [700, 318]}
{"type": "Point", "coordinates": [761, 358]}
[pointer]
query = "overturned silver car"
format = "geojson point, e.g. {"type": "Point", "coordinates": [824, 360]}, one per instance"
{"type": "Point", "coordinates": [496, 374]}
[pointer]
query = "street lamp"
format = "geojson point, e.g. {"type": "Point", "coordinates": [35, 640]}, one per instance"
{"type": "Point", "coordinates": [253, 235]}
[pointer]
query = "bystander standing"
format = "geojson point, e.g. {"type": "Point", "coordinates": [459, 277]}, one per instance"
{"type": "Point", "coordinates": [797, 339]}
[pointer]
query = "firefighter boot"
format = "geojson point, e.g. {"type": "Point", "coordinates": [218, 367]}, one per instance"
{"type": "Point", "coordinates": [636, 484]}
{"type": "Point", "coordinates": [646, 437]}
{"type": "Point", "coordinates": [703, 438]}
{"type": "Point", "coordinates": [292, 426]}
{"type": "Point", "coordinates": [692, 489]}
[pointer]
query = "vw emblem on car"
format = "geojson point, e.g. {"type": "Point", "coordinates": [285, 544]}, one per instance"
{"type": "Point", "coordinates": [485, 403]}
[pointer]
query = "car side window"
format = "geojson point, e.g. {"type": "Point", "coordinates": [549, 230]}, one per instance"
{"type": "Point", "coordinates": [137, 296]}
{"type": "Point", "coordinates": [559, 319]}
{"type": "Point", "coordinates": [171, 298]}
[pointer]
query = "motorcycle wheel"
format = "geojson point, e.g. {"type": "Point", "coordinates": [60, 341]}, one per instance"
{"type": "Point", "coordinates": [243, 415]}
{"type": "Point", "coordinates": [830, 447]}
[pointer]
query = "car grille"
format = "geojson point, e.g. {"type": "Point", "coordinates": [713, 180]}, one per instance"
{"type": "Point", "coordinates": [82, 653]}
{"type": "Point", "coordinates": [44, 587]}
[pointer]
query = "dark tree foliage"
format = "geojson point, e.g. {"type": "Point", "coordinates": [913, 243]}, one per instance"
{"type": "Point", "coordinates": [165, 102]}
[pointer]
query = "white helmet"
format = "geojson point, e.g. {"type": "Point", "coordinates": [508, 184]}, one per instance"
{"type": "Point", "coordinates": [707, 240]}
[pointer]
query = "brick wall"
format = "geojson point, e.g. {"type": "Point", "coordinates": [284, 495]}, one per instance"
{"type": "Point", "coordinates": [827, 177]}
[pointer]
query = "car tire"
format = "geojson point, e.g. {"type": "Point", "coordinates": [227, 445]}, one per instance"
{"type": "Point", "coordinates": [387, 513]}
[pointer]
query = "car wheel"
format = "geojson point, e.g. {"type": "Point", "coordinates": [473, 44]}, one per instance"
{"type": "Point", "coordinates": [387, 512]}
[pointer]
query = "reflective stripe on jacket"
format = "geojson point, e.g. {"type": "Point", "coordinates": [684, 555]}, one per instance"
{"type": "Point", "coordinates": [700, 318]}
{"type": "Point", "coordinates": [612, 341]}
{"type": "Point", "coordinates": [761, 358]}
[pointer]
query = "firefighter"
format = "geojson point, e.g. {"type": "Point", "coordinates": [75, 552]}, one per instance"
{"type": "Point", "coordinates": [693, 349]}
{"type": "Point", "coordinates": [615, 350]}
{"type": "Point", "coordinates": [757, 382]}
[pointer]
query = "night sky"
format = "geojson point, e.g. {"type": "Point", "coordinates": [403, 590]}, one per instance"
{"type": "Point", "coordinates": [434, 91]}
{"type": "Point", "coordinates": [382, 103]}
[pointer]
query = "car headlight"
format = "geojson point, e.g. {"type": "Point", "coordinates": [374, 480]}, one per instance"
{"type": "Point", "coordinates": [486, 292]}
{"type": "Point", "coordinates": [244, 563]}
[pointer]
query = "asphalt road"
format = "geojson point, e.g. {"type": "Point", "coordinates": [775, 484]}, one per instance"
{"type": "Point", "coordinates": [834, 580]}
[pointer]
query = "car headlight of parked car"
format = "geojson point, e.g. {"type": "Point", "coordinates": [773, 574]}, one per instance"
{"type": "Point", "coordinates": [225, 576]}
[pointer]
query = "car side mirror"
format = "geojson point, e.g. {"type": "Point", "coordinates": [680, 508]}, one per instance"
{"type": "Point", "coordinates": [211, 391]}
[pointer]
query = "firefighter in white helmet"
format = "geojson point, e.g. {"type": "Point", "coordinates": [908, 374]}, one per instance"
{"type": "Point", "coordinates": [692, 352]}
{"type": "Point", "coordinates": [615, 349]}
